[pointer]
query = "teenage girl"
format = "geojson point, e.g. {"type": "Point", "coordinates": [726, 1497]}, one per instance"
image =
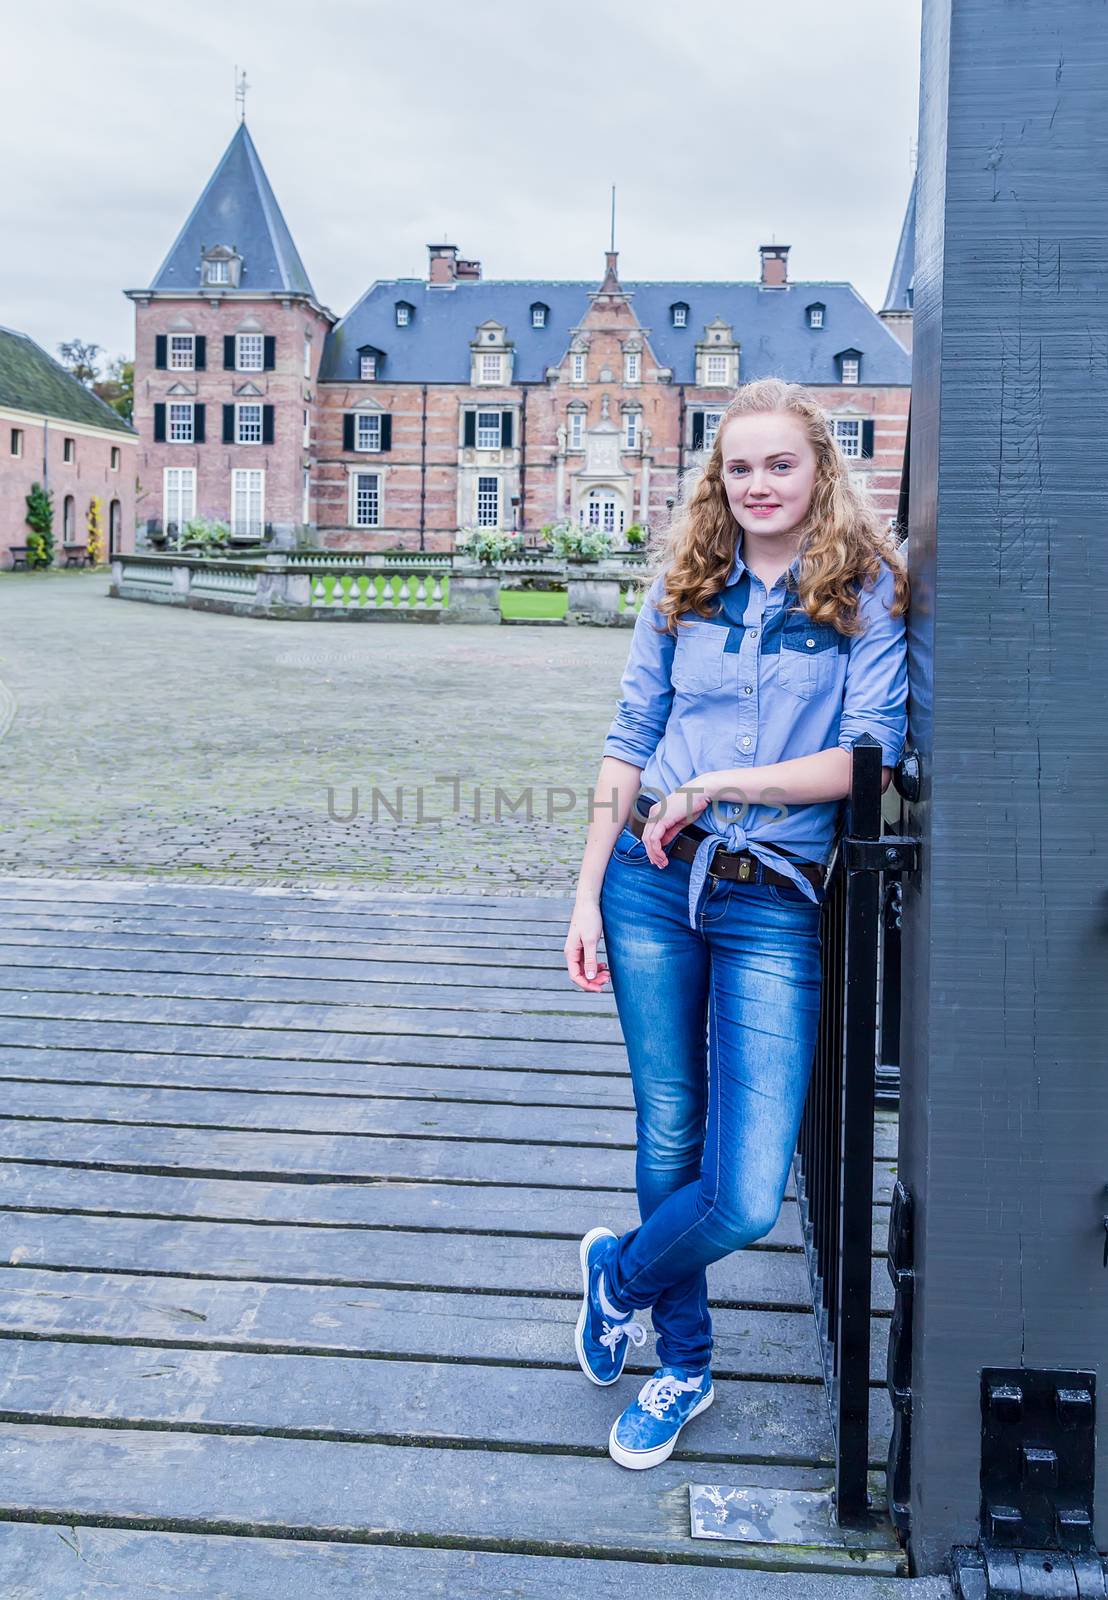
{"type": "Point", "coordinates": [770, 638]}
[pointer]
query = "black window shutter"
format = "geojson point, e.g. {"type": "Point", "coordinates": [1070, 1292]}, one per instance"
{"type": "Point", "coordinates": [201, 353]}
{"type": "Point", "coordinates": [698, 430]}
{"type": "Point", "coordinates": [506, 430]}
{"type": "Point", "coordinates": [159, 424]}
{"type": "Point", "coordinates": [198, 424]}
{"type": "Point", "coordinates": [228, 352]}
{"type": "Point", "coordinates": [267, 424]}
{"type": "Point", "coordinates": [386, 432]}
{"type": "Point", "coordinates": [867, 438]}
{"type": "Point", "coordinates": [161, 357]}
{"type": "Point", "coordinates": [469, 437]}
{"type": "Point", "coordinates": [269, 359]}
{"type": "Point", "coordinates": [228, 424]}
{"type": "Point", "coordinates": [348, 431]}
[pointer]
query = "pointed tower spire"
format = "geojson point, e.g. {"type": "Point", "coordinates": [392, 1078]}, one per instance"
{"type": "Point", "coordinates": [899, 294]}
{"type": "Point", "coordinates": [238, 215]}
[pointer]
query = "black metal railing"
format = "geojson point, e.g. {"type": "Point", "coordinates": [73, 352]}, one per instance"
{"type": "Point", "coordinates": [833, 1165]}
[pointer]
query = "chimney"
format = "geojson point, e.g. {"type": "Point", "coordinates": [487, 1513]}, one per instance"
{"type": "Point", "coordinates": [445, 267]}
{"type": "Point", "coordinates": [775, 265]}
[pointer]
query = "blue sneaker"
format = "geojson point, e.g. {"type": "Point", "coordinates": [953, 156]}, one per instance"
{"type": "Point", "coordinates": [602, 1332]}
{"type": "Point", "coordinates": [645, 1434]}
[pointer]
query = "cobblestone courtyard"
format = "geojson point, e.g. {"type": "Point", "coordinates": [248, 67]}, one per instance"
{"type": "Point", "coordinates": [146, 739]}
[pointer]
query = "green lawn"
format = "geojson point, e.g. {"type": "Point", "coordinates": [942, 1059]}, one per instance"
{"type": "Point", "coordinates": [533, 603]}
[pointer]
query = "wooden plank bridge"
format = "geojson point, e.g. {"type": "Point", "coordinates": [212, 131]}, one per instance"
{"type": "Point", "coordinates": [291, 1185]}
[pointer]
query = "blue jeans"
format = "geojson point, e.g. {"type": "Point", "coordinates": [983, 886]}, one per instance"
{"type": "Point", "coordinates": [720, 1028]}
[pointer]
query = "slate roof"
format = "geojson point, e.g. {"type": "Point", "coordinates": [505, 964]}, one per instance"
{"type": "Point", "coordinates": [902, 277]}
{"type": "Point", "coordinates": [770, 324]}
{"type": "Point", "coordinates": [238, 208]}
{"type": "Point", "coordinates": [31, 380]}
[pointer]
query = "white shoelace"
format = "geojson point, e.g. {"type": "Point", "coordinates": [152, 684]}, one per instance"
{"type": "Point", "coordinates": [657, 1394]}
{"type": "Point", "coordinates": [615, 1331]}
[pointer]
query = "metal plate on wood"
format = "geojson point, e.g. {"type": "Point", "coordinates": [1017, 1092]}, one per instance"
{"type": "Point", "coordinates": [758, 1515]}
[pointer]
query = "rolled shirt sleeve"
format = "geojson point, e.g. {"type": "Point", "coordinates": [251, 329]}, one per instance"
{"type": "Point", "coordinates": [645, 691]}
{"type": "Point", "coordinates": [875, 697]}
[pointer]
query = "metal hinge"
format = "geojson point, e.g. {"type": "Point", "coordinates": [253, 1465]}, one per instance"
{"type": "Point", "coordinates": [892, 853]}
{"type": "Point", "coordinates": [992, 1573]}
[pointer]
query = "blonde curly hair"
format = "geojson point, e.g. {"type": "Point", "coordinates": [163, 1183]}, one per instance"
{"type": "Point", "coordinates": [843, 538]}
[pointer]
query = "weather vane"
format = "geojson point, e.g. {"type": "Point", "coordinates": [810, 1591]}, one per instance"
{"type": "Point", "coordinates": [241, 87]}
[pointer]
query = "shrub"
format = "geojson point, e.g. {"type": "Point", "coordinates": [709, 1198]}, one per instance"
{"type": "Point", "coordinates": [95, 530]}
{"type": "Point", "coordinates": [40, 520]}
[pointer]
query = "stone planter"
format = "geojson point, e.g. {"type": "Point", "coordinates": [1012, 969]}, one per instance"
{"type": "Point", "coordinates": [474, 593]}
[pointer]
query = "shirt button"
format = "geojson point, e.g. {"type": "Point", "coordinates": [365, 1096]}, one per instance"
{"type": "Point", "coordinates": [753, 633]}
{"type": "Point", "coordinates": [811, 643]}
{"type": "Point", "coordinates": [746, 740]}
{"type": "Point", "coordinates": [748, 688]}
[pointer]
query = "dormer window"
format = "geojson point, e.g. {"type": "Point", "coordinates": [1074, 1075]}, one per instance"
{"type": "Point", "coordinates": [850, 366]}
{"type": "Point", "coordinates": [815, 315]}
{"type": "Point", "coordinates": [679, 314]}
{"type": "Point", "coordinates": [217, 272]}
{"type": "Point", "coordinates": [403, 313]}
{"type": "Point", "coordinates": [539, 314]}
{"type": "Point", "coordinates": [367, 367]}
{"type": "Point", "coordinates": [220, 267]}
{"type": "Point", "coordinates": [491, 366]}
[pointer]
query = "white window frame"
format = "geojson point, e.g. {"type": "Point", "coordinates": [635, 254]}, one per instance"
{"type": "Point", "coordinates": [218, 272]}
{"type": "Point", "coordinates": [815, 317]}
{"type": "Point", "coordinates": [403, 316]}
{"type": "Point", "coordinates": [178, 496]}
{"type": "Point", "coordinates": [711, 428]}
{"type": "Point", "coordinates": [576, 440]}
{"type": "Point", "coordinates": [577, 368]}
{"type": "Point", "coordinates": [16, 442]}
{"type": "Point", "coordinates": [602, 510]}
{"type": "Point", "coordinates": [719, 362]}
{"type": "Point", "coordinates": [307, 355]}
{"type": "Point", "coordinates": [306, 497]}
{"type": "Point", "coordinates": [175, 430]}
{"type": "Point", "coordinates": [538, 316]}
{"type": "Point", "coordinates": [490, 366]}
{"type": "Point", "coordinates": [852, 366]}
{"type": "Point", "coordinates": [367, 368]}
{"type": "Point", "coordinates": [241, 365]}
{"type": "Point", "coordinates": [632, 430]}
{"type": "Point", "coordinates": [680, 316]}
{"type": "Point", "coordinates": [366, 512]}
{"type": "Point", "coordinates": [248, 437]}
{"type": "Point", "coordinates": [848, 434]}
{"type": "Point", "coordinates": [492, 432]}
{"type": "Point", "coordinates": [488, 514]}
{"type": "Point", "coordinates": [367, 431]}
{"type": "Point", "coordinates": [248, 483]}
{"type": "Point", "coordinates": [115, 458]}
{"type": "Point", "coordinates": [183, 357]}
{"type": "Point", "coordinates": [632, 366]}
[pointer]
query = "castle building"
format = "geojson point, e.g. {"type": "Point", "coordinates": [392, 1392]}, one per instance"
{"type": "Point", "coordinates": [454, 400]}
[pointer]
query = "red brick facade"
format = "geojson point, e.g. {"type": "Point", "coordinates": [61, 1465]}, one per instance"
{"type": "Point", "coordinates": [33, 449]}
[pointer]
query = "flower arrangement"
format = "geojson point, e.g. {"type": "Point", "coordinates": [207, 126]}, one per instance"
{"type": "Point", "coordinates": [576, 541]}
{"type": "Point", "coordinates": [489, 545]}
{"type": "Point", "coordinates": [203, 535]}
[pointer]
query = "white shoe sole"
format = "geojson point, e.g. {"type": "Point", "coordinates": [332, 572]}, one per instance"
{"type": "Point", "coordinates": [637, 1459]}
{"type": "Point", "coordinates": [586, 1245]}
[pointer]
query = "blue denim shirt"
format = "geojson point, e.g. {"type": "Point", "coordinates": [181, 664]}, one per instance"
{"type": "Point", "coordinates": [753, 685]}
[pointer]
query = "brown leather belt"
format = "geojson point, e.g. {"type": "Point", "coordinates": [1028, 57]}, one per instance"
{"type": "Point", "coordinates": [739, 865]}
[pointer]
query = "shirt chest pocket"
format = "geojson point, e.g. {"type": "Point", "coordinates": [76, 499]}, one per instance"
{"type": "Point", "coordinates": [809, 658]}
{"type": "Point", "coordinates": [698, 657]}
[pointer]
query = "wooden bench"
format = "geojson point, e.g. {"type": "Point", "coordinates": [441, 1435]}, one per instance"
{"type": "Point", "coordinates": [76, 555]}
{"type": "Point", "coordinates": [18, 554]}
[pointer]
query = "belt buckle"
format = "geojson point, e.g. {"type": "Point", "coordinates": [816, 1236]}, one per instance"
{"type": "Point", "coordinates": [745, 869]}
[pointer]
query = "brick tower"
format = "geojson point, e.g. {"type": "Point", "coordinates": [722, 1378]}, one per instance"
{"type": "Point", "coordinates": [228, 339]}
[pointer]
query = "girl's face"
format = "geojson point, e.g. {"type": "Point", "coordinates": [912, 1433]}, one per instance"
{"type": "Point", "coordinates": [769, 472]}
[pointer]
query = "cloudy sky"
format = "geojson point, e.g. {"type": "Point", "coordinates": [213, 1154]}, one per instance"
{"type": "Point", "coordinates": [500, 124]}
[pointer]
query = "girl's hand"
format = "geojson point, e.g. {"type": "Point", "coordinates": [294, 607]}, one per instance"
{"type": "Point", "coordinates": [584, 933]}
{"type": "Point", "coordinates": [666, 819]}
